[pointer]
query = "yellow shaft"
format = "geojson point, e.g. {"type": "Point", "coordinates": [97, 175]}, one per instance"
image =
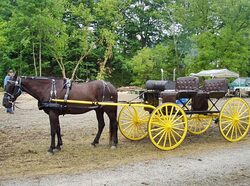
{"type": "Point", "coordinates": [102, 103]}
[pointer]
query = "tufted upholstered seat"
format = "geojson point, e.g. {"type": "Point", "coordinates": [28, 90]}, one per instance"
{"type": "Point", "coordinates": [216, 88]}
{"type": "Point", "coordinates": [185, 87]}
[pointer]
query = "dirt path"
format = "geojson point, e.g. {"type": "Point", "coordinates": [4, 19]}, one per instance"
{"type": "Point", "coordinates": [230, 166]}
{"type": "Point", "coordinates": [24, 138]}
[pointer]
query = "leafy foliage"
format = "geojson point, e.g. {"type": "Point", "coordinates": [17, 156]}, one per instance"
{"type": "Point", "coordinates": [125, 42]}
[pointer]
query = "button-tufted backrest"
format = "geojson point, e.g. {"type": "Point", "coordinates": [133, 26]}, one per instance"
{"type": "Point", "coordinates": [187, 83]}
{"type": "Point", "coordinates": [214, 85]}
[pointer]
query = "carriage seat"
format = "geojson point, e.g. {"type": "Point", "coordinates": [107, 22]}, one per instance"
{"type": "Point", "coordinates": [185, 87]}
{"type": "Point", "coordinates": [216, 88]}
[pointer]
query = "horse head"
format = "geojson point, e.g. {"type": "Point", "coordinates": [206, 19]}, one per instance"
{"type": "Point", "coordinates": [12, 91]}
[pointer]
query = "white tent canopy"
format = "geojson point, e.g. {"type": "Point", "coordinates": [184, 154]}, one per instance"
{"type": "Point", "coordinates": [216, 73]}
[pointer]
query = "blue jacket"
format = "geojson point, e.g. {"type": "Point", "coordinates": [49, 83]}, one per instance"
{"type": "Point", "coordinates": [6, 79]}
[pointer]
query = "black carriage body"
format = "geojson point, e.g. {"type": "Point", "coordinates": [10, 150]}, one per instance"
{"type": "Point", "coordinates": [186, 88]}
{"type": "Point", "coordinates": [154, 88]}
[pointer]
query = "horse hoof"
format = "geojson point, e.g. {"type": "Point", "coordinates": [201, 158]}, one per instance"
{"type": "Point", "coordinates": [92, 145]}
{"type": "Point", "coordinates": [56, 150]}
{"type": "Point", "coordinates": [49, 153]}
{"type": "Point", "coordinates": [113, 147]}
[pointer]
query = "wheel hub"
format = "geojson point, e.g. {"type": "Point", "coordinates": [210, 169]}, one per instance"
{"type": "Point", "coordinates": [136, 122]}
{"type": "Point", "coordinates": [168, 126]}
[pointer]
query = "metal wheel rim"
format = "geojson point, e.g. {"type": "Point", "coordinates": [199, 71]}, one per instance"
{"type": "Point", "coordinates": [198, 124]}
{"type": "Point", "coordinates": [234, 119]}
{"type": "Point", "coordinates": [167, 130]}
{"type": "Point", "coordinates": [133, 122]}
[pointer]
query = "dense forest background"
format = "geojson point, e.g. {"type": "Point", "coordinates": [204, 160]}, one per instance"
{"type": "Point", "coordinates": [125, 42]}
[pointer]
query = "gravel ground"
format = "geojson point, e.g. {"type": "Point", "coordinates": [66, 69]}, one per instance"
{"type": "Point", "coordinates": [210, 161]}
{"type": "Point", "coordinates": [221, 167]}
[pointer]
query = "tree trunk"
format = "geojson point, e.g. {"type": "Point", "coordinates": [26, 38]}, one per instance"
{"type": "Point", "coordinates": [102, 66]}
{"type": "Point", "coordinates": [34, 58]}
{"type": "Point", "coordinates": [40, 57]}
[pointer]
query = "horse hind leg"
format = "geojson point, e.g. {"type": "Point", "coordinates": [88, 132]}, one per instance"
{"type": "Point", "coordinates": [101, 124]}
{"type": "Point", "coordinates": [113, 127]}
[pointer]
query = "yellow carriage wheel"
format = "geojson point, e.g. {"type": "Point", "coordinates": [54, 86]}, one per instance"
{"type": "Point", "coordinates": [199, 123]}
{"type": "Point", "coordinates": [167, 126]}
{"type": "Point", "coordinates": [234, 119]}
{"type": "Point", "coordinates": [133, 122]}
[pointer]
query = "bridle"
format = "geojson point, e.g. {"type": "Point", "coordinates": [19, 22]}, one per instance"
{"type": "Point", "coordinates": [11, 97]}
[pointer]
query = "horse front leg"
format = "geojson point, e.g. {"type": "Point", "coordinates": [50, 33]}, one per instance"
{"type": "Point", "coordinates": [101, 124]}
{"type": "Point", "coordinates": [59, 138]}
{"type": "Point", "coordinates": [54, 129]}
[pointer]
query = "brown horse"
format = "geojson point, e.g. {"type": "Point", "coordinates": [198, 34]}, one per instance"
{"type": "Point", "coordinates": [45, 89]}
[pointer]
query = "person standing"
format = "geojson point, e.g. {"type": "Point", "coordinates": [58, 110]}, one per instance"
{"type": "Point", "coordinates": [6, 79]}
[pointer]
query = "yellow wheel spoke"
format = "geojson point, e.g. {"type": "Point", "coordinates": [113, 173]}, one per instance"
{"type": "Point", "coordinates": [179, 124]}
{"type": "Point", "coordinates": [227, 117]}
{"type": "Point", "coordinates": [232, 132]}
{"type": "Point", "coordinates": [176, 133]}
{"type": "Point", "coordinates": [165, 139]}
{"type": "Point", "coordinates": [228, 111]}
{"type": "Point", "coordinates": [166, 110]}
{"type": "Point", "coordinates": [140, 130]}
{"type": "Point", "coordinates": [128, 122]}
{"type": "Point", "coordinates": [244, 117]}
{"type": "Point", "coordinates": [128, 114]}
{"type": "Point", "coordinates": [130, 131]}
{"type": "Point", "coordinates": [242, 106]}
{"type": "Point", "coordinates": [230, 124]}
{"type": "Point", "coordinates": [240, 125]}
{"type": "Point", "coordinates": [178, 119]}
{"type": "Point", "coordinates": [159, 118]}
{"type": "Point", "coordinates": [126, 119]}
{"type": "Point", "coordinates": [245, 122]}
{"type": "Point", "coordinates": [156, 129]}
{"type": "Point", "coordinates": [161, 137]}
{"type": "Point", "coordinates": [131, 112]}
{"type": "Point", "coordinates": [243, 112]}
{"type": "Point", "coordinates": [169, 139]}
{"type": "Point", "coordinates": [227, 121]}
{"type": "Point", "coordinates": [171, 112]}
{"type": "Point", "coordinates": [178, 129]}
{"type": "Point", "coordinates": [130, 126]}
{"type": "Point", "coordinates": [158, 124]}
{"type": "Point", "coordinates": [171, 133]}
{"type": "Point", "coordinates": [175, 114]}
{"type": "Point", "coordinates": [158, 134]}
{"type": "Point", "coordinates": [230, 128]}
{"type": "Point", "coordinates": [236, 131]}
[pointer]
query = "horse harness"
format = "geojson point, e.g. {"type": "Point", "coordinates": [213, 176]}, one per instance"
{"type": "Point", "coordinates": [63, 107]}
